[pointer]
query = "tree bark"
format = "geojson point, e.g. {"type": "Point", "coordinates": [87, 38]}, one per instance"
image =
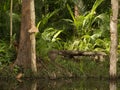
{"type": "Point", "coordinates": [76, 11]}
{"type": "Point", "coordinates": [119, 8]}
{"type": "Point", "coordinates": [26, 54]}
{"type": "Point", "coordinates": [78, 8]}
{"type": "Point", "coordinates": [114, 39]}
{"type": "Point", "coordinates": [23, 57]}
{"type": "Point", "coordinates": [11, 10]}
{"type": "Point", "coordinates": [32, 38]}
{"type": "Point", "coordinates": [71, 54]}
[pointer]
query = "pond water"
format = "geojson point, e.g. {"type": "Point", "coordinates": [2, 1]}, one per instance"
{"type": "Point", "coordinates": [60, 84]}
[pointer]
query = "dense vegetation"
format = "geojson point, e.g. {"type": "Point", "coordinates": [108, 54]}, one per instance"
{"type": "Point", "coordinates": [59, 29]}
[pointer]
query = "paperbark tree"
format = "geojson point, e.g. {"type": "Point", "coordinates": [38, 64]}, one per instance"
{"type": "Point", "coordinates": [26, 53]}
{"type": "Point", "coordinates": [114, 39]}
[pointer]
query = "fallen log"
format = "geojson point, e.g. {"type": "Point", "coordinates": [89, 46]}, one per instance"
{"type": "Point", "coordinates": [72, 54]}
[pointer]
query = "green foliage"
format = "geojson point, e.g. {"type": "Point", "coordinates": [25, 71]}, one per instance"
{"type": "Point", "coordinates": [83, 23]}
{"type": "Point", "coordinates": [41, 47]}
{"type": "Point", "coordinates": [91, 30]}
{"type": "Point", "coordinates": [118, 35]}
{"type": "Point", "coordinates": [5, 18]}
{"type": "Point", "coordinates": [96, 4]}
{"type": "Point", "coordinates": [60, 29]}
{"type": "Point", "coordinates": [48, 40]}
{"type": "Point", "coordinates": [51, 34]}
{"type": "Point", "coordinates": [7, 54]}
{"type": "Point", "coordinates": [44, 21]}
{"type": "Point", "coordinates": [88, 33]}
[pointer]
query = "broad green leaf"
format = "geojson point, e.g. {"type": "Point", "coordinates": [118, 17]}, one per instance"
{"type": "Point", "coordinates": [56, 35]}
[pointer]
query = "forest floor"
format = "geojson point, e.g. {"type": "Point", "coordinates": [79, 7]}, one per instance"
{"type": "Point", "coordinates": [61, 68]}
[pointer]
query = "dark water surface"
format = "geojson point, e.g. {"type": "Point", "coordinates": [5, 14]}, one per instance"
{"type": "Point", "coordinates": [60, 84]}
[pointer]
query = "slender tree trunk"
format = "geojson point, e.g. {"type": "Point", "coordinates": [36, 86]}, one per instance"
{"type": "Point", "coordinates": [76, 11]}
{"type": "Point", "coordinates": [114, 39]}
{"type": "Point", "coordinates": [26, 54]}
{"type": "Point", "coordinates": [11, 5]}
{"type": "Point", "coordinates": [119, 8]}
{"type": "Point", "coordinates": [78, 8]}
{"type": "Point", "coordinates": [32, 38]}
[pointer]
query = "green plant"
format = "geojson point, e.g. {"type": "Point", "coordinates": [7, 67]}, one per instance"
{"type": "Point", "coordinates": [44, 21]}
{"type": "Point", "coordinates": [83, 23]}
{"type": "Point", "coordinates": [51, 34]}
{"type": "Point", "coordinates": [7, 54]}
{"type": "Point", "coordinates": [48, 40]}
{"type": "Point", "coordinates": [91, 30]}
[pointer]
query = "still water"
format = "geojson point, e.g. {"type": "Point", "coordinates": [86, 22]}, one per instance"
{"type": "Point", "coordinates": [60, 84]}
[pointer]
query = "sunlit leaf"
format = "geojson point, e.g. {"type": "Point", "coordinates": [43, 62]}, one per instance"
{"type": "Point", "coordinates": [56, 35]}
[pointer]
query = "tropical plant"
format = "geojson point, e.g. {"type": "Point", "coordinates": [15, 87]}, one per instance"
{"type": "Point", "coordinates": [7, 54]}
{"type": "Point", "coordinates": [44, 21]}
{"type": "Point", "coordinates": [5, 18]}
{"type": "Point", "coordinates": [91, 30]}
{"type": "Point", "coordinates": [83, 23]}
{"type": "Point", "coordinates": [48, 36]}
{"type": "Point", "coordinates": [51, 34]}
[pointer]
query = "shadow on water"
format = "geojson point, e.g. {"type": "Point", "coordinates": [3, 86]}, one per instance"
{"type": "Point", "coordinates": [60, 84]}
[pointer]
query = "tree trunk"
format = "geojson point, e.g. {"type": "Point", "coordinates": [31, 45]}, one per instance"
{"type": "Point", "coordinates": [76, 11]}
{"type": "Point", "coordinates": [11, 5]}
{"type": "Point", "coordinates": [26, 54]}
{"type": "Point", "coordinates": [114, 39]}
{"type": "Point", "coordinates": [32, 38]}
{"type": "Point", "coordinates": [23, 57]}
{"type": "Point", "coordinates": [78, 8]}
{"type": "Point", "coordinates": [119, 8]}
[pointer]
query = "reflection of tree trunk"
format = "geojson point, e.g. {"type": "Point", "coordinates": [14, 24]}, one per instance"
{"type": "Point", "coordinates": [114, 39]}
{"type": "Point", "coordinates": [34, 86]}
{"type": "Point", "coordinates": [26, 85]}
{"type": "Point", "coordinates": [113, 85]}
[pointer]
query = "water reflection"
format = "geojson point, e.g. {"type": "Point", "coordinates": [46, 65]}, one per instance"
{"type": "Point", "coordinates": [34, 86]}
{"type": "Point", "coordinates": [113, 85]}
{"type": "Point", "coordinates": [61, 84]}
